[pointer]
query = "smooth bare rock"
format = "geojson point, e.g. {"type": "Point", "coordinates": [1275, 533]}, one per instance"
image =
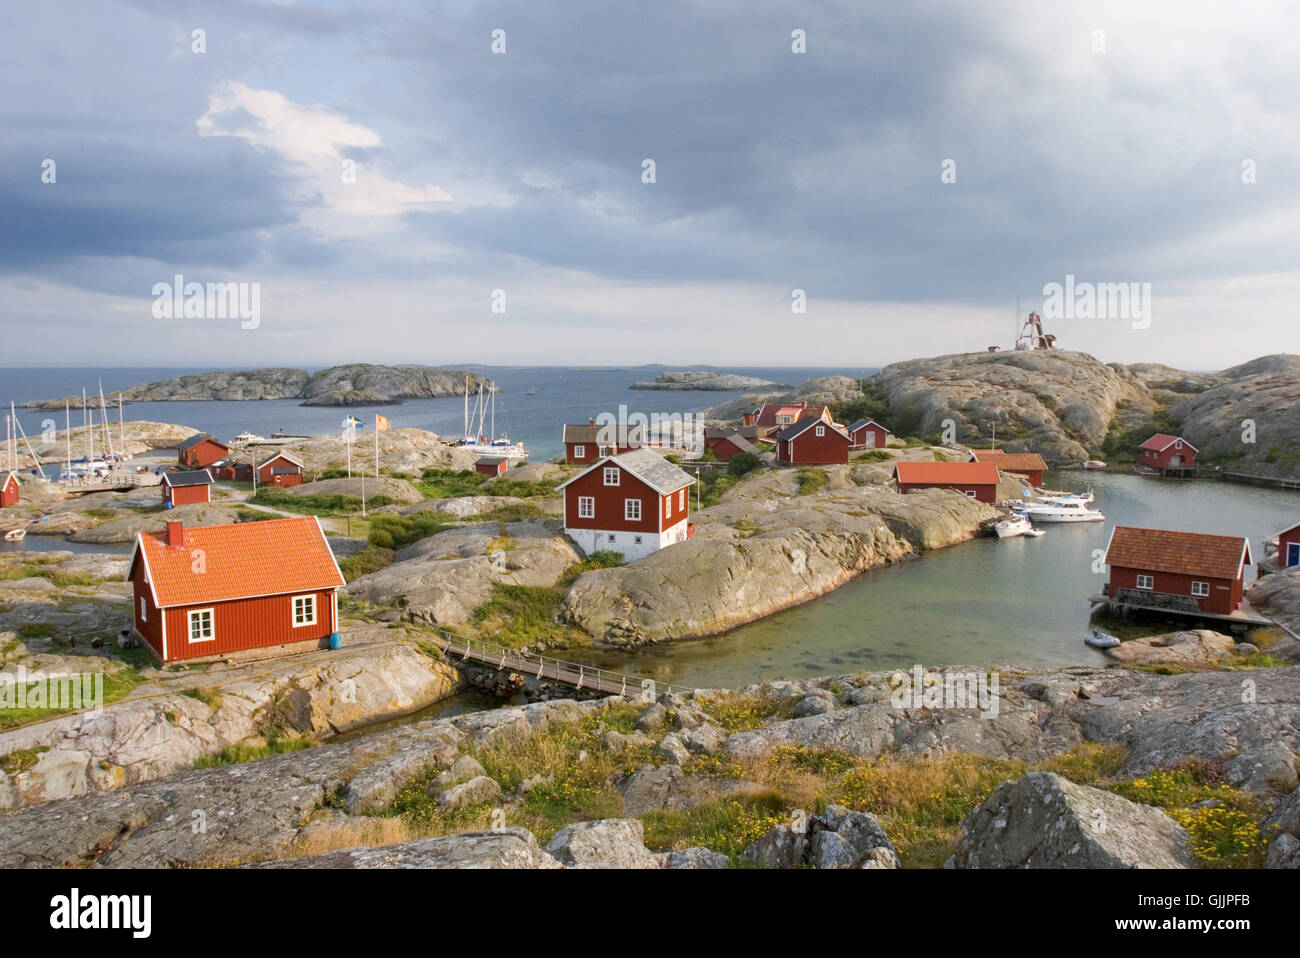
{"type": "Point", "coordinates": [838, 838]}
{"type": "Point", "coordinates": [461, 770]}
{"type": "Point", "coordinates": [620, 742]}
{"type": "Point", "coordinates": [125, 529]}
{"type": "Point", "coordinates": [476, 791]}
{"type": "Point", "coordinates": [694, 858]}
{"type": "Point", "coordinates": [1278, 597]}
{"type": "Point", "coordinates": [1042, 820]}
{"type": "Point", "coordinates": [1198, 648]}
{"type": "Point", "coordinates": [506, 848]}
{"type": "Point", "coordinates": [375, 787]}
{"type": "Point", "coordinates": [706, 739]}
{"type": "Point", "coordinates": [653, 788]}
{"type": "Point", "coordinates": [671, 748]}
{"type": "Point", "coordinates": [463, 506]}
{"type": "Point", "coordinates": [399, 490]}
{"type": "Point", "coordinates": [708, 381]}
{"type": "Point", "coordinates": [1284, 852]}
{"type": "Point", "coordinates": [606, 843]}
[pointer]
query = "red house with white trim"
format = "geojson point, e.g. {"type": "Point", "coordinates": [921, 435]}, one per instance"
{"type": "Point", "coordinates": [280, 469]}
{"type": "Point", "coordinates": [214, 590]}
{"type": "Point", "coordinates": [868, 434]}
{"type": "Point", "coordinates": [634, 503]}
{"type": "Point", "coordinates": [1189, 569]}
{"type": "Point", "coordinates": [1167, 453]}
{"type": "Point", "coordinates": [772, 417]}
{"type": "Point", "coordinates": [978, 480]}
{"type": "Point", "coordinates": [1288, 546]}
{"type": "Point", "coordinates": [812, 442]}
{"type": "Point", "coordinates": [186, 488]}
{"type": "Point", "coordinates": [9, 490]}
{"type": "Point", "coordinates": [200, 451]}
{"type": "Point", "coordinates": [730, 441]}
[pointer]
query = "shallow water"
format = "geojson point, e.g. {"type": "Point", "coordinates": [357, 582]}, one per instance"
{"type": "Point", "coordinates": [988, 601]}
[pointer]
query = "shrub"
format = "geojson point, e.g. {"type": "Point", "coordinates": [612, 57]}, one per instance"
{"type": "Point", "coordinates": [742, 463]}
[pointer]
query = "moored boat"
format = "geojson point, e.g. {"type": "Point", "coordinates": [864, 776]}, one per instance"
{"type": "Point", "coordinates": [1101, 640]}
{"type": "Point", "coordinates": [1094, 464]}
{"type": "Point", "coordinates": [1063, 510]}
{"type": "Point", "coordinates": [1013, 525]}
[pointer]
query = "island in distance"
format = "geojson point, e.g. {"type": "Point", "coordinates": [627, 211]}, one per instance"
{"type": "Point", "coordinates": [706, 380]}
{"type": "Point", "coordinates": [356, 384]}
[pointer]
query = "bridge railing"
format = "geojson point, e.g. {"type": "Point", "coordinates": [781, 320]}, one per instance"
{"type": "Point", "coordinates": [581, 674]}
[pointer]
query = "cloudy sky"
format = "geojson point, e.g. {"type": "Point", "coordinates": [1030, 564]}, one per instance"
{"type": "Point", "coordinates": [915, 171]}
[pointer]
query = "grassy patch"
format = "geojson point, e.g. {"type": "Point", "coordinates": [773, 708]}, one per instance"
{"type": "Point", "coordinates": [319, 504]}
{"type": "Point", "coordinates": [600, 559]}
{"type": "Point", "coordinates": [15, 763]}
{"type": "Point", "coordinates": [117, 683]}
{"type": "Point", "coordinates": [737, 712]}
{"type": "Point", "coordinates": [370, 559]}
{"type": "Point", "coordinates": [812, 480]}
{"type": "Point", "coordinates": [513, 512]}
{"type": "Point", "coordinates": [239, 754]}
{"type": "Point", "coordinates": [873, 455]}
{"type": "Point", "coordinates": [727, 825]}
{"type": "Point", "coordinates": [525, 615]}
{"type": "Point", "coordinates": [45, 568]}
{"type": "Point", "coordinates": [449, 483]}
{"type": "Point", "coordinates": [389, 531]}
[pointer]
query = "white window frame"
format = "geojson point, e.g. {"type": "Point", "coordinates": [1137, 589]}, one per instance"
{"type": "Point", "coordinates": [1150, 581]}
{"type": "Point", "coordinates": [293, 610]}
{"type": "Point", "coordinates": [611, 473]}
{"type": "Point", "coordinates": [144, 609]}
{"type": "Point", "coordinates": [783, 420]}
{"type": "Point", "coordinates": [971, 492]}
{"type": "Point", "coordinates": [579, 452]}
{"type": "Point", "coordinates": [681, 498]}
{"type": "Point", "coordinates": [668, 507]}
{"type": "Point", "coordinates": [609, 451]}
{"type": "Point", "coordinates": [586, 507]}
{"type": "Point", "coordinates": [1178, 444]}
{"type": "Point", "coordinates": [1205, 590]}
{"type": "Point", "coordinates": [821, 431]}
{"type": "Point", "coordinates": [212, 625]}
{"type": "Point", "coordinates": [628, 510]}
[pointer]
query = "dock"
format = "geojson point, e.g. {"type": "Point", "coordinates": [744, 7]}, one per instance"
{"type": "Point", "coordinates": [1244, 617]}
{"type": "Point", "coordinates": [1277, 482]}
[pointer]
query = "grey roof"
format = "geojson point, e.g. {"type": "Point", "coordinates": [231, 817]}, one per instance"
{"type": "Point", "coordinates": [195, 440]}
{"type": "Point", "coordinates": [648, 466]}
{"type": "Point", "coordinates": [735, 438]}
{"type": "Point", "coordinates": [188, 477]}
{"type": "Point", "coordinates": [867, 422]}
{"type": "Point", "coordinates": [794, 429]}
{"type": "Point", "coordinates": [489, 460]}
{"type": "Point", "coordinates": [723, 432]}
{"type": "Point", "coordinates": [626, 435]}
{"type": "Point", "coordinates": [279, 455]}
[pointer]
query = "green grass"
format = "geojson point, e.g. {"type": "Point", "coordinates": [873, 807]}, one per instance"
{"type": "Point", "coordinates": [320, 504]}
{"type": "Point", "coordinates": [522, 488]}
{"type": "Point", "coordinates": [396, 531]}
{"type": "Point", "coordinates": [873, 455]}
{"type": "Point", "coordinates": [600, 559]}
{"type": "Point", "coordinates": [514, 512]}
{"type": "Point", "coordinates": [449, 483]}
{"type": "Point", "coordinates": [45, 568]}
{"type": "Point", "coordinates": [811, 481]}
{"type": "Point", "coordinates": [239, 754]}
{"type": "Point", "coordinates": [117, 684]}
{"type": "Point", "coordinates": [370, 559]}
{"type": "Point", "coordinates": [524, 615]}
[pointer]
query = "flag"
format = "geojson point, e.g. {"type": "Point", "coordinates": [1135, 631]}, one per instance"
{"type": "Point", "coordinates": [351, 421]}
{"type": "Point", "coordinates": [381, 423]}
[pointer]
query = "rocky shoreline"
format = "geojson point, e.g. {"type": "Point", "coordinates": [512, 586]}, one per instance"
{"type": "Point", "coordinates": [707, 382]}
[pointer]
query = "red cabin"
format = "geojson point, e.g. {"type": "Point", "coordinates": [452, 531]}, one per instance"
{"type": "Point", "coordinates": [868, 434]}
{"type": "Point", "coordinates": [215, 590]}
{"type": "Point", "coordinates": [731, 441]}
{"type": "Point", "coordinates": [491, 466]}
{"type": "Point", "coordinates": [635, 503]}
{"type": "Point", "coordinates": [978, 480]}
{"type": "Point", "coordinates": [9, 492]}
{"type": "Point", "coordinates": [812, 442]}
{"type": "Point", "coordinates": [584, 445]}
{"type": "Point", "coordinates": [201, 451]}
{"type": "Point", "coordinates": [1179, 571]}
{"type": "Point", "coordinates": [229, 469]}
{"type": "Point", "coordinates": [1167, 453]}
{"type": "Point", "coordinates": [186, 488]}
{"type": "Point", "coordinates": [1288, 547]}
{"type": "Point", "coordinates": [773, 417]}
{"type": "Point", "coordinates": [1027, 464]}
{"type": "Point", "coordinates": [281, 469]}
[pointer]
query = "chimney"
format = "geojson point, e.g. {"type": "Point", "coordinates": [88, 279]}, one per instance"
{"type": "Point", "coordinates": [175, 533]}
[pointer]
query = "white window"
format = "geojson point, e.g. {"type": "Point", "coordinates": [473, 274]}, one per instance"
{"type": "Point", "coordinates": [1146, 582]}
{"type": "Point", "coordinates": [579, 452]}
{"type": "Point", "coordinates": [304, 610]}
{"type": "Point", "coordinates": [632, 510]}
{"type": "Point", "coordinates": [144, 610]}
{"type": "Point", "coordinates": [668, 506]}
{"type": "Point", "coordinates": [608, 451]}
{"type": "Point", "coordinates": [200, 622]}
{"type": "Point", "coordinates": [586, 507]}
{"type": "Point", "coordinates": [821, 430]}
{"type": "Point", "coordinates": [1178, 444]}
{"type": "Point", "coordinates": [681, 499]}
{"type": "Point", "coordinates": [971, 493]}
{"type": "Point", "coordinates": [783, 420]}
{"type": "Point", "coordinates": [1201, 588]}
{"type": "Point", "coordinates": [611, 475]}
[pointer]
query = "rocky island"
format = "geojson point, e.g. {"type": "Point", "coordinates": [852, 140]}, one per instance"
{"type": "Point", "coordinates": [706, 381]}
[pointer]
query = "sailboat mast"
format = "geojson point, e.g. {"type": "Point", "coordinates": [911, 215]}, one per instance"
{"type": "Point", "coordinates": [465, 430]}
{"type": "Point", "coordinates": [121, 426]}
{"type": "Point", "coordinates": [103, 412]}
{"type": "Point", "coordinates": [493, 394]}
{"type": "Point", "coordinates": [67, 433]}
{"type": "Point", "coordinates": [88, 438]}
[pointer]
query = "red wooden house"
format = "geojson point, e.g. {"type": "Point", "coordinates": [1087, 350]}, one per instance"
{"type": "Point", "coordinates": [1027, 464]}
{"type": "Point", "coordinates": [584, 445]}
{"type": "Point", "coordinates": [491, 465]}
{"type": "Point", "coordinates": [215, 590]}
{"type": "Point", "coordinates": [772, 417]}
{"type": "Point", "coordinates": [812, 442]}
{"type": "Point", "coordinates": [634, 503]}
{"type": "Point", "coordinates": [186, 488]}
{"type": "Point", "coordinates": [9, 492]}
{"type": "Point", "coordinates": [730, 441]}
{"type": "Point", "coordinates": [280, 469]}
{"type": "Point", "coordinates": [1288, 546]}
{"type": "Point", "coordinates": [978, 480]}
{"type": "Point", "coordinates": [200, 451]}
{"type": "Point", "coordinates": [230, 469]}
{"type": "Point", "coordinates": [1180, 571]}
{"type": "Point", "coordinates": [1167, 453]}
{"type": "Point", "coordinates": [868, 434]}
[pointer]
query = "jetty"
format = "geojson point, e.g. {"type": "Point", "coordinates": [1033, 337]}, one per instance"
{"type": "Point", "coordinates": [1127, 601]}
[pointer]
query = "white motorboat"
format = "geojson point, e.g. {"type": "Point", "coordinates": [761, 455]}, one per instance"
{"type": "Point", "coordinates": [1035, 533]}
{"type": "Point", "coordinates": [1013, 525]}
{"type": "Point", "coordinates": [1063, 510]}
{"type": "Point", "coordinates": [1094, 464]}
{"type": "Point", "coordinates": [246, 437]}
{"type": "Point", "coordinates": [1101, 640]}
{"type": "Point", "coordinates": [15, 535]}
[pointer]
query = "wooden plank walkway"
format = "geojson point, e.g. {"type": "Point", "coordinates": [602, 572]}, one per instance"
{"type": "Point", "coordinates": [574, 674]}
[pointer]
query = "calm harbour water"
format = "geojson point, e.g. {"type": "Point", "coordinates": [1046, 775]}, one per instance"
{"type": "Point", "coordinates": [1019, 601]}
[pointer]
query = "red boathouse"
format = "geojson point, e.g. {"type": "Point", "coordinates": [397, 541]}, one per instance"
{"type": "Point", "coordinates": [1180, 571]}
{"type": "Point", "coordinates": [215, 590]}
{"type": "Point", "coordinates": [978, 480]}
{"type": "Point", "coordinates": [1167, 454]}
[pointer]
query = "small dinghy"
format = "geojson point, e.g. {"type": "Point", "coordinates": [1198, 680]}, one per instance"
{"type": "Point", "coordinates": [15, 535]}
{"type": "Point", "coordinates": [1035, 532]}
{"type": "Point", "coordinates": [1101, 640]}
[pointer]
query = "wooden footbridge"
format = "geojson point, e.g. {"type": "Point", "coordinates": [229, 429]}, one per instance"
{"type": "Point", "coordinates": [530, 664]}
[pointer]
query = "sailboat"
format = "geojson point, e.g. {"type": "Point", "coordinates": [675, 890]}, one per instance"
{"type": "Point", "coordinates": [479, 442]}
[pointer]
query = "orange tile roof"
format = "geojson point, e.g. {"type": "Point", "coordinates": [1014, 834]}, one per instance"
{"type": "Point", "coordinates": [973, 473]}
{"type": "Point", "coordinates": [239, 561]}
{"type": "Point", "coordinates": [1012, 461]}
{"type": "Point", "coordinates": [1183, 553]}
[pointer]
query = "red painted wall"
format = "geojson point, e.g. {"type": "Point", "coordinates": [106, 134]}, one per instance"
{"type": "Point", "coordinates": [722, 447]}
{"type": "Point", "coordinates": [266, 475]}
{"type": "Point", "coordinates": [248, 624]}
{"type": "Point", "coordinates": [609, 504]}
{"type": "Point", "coordinates": [986, 492]}
{"type": "Point", "coordinates": [1035, 476]}
{"type": "Point", "coordinates": [810, 449]}
{"type": "Point", "coordinates": [202, 455]}
{"type": "Point", "coordinates": [1283, 541]}
{"type": "Point", "coordinates": [9, 494]}
{"type": "Point", "coordinates": [488, 469]}
{"type": "Point", "coordinates": [1225, 594]}
{"type": "Point", "coordinates": [1164, 460]}
{"type": "Point", "coordinates": [185, 495]}
{"type": "Point", "coordinates": [150, 627]}
{"type": "Point", "coordinates": [860, 437]}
